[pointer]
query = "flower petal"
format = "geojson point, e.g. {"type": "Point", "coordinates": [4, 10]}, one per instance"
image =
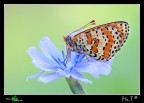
{"type": "Point", "coordinates": [36, 75]}
{"type": "Point", "coordinates": [78, 76]}
{"type": "Point", "coordinates": [89, 68]}
{"type": "Point", "coordinates": [72, 56]}
{"type": "Point", "coordinates": [63, 53]}
{"type": "Point", "coordinates": [81, 57]}
{"type": "Point", "coordinates": [95, 67]}
{"type": "Point", "coordinates": [105, 71]}
{"type": "Point", "coordinates": [49, 77]}
{"type": "Point", "coordinates": [48, 48]}
{"type": "Point", "coordinates": [40, 61]}
{"type": "Point", "coordinates": [104, 67]}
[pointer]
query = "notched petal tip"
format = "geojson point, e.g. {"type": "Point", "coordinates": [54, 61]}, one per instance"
{"type": "Point", "coordinates": [31, 49]}
{"type": "Point", "coordinates": [106, 71]}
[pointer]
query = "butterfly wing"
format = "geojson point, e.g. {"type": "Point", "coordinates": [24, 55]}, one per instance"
{"type": "Point", "coordinates": [102, 42]}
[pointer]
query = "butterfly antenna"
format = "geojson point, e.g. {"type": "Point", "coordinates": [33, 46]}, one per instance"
{"type": "Point", "coordinates": [90, 23]}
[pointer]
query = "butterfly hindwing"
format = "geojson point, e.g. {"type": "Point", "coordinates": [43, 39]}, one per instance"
{"type": "Point", "coordinates": [101, 42]}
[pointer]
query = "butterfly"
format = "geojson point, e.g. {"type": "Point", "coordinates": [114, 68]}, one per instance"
{"type": "Point", "coordinates": [100, 42]}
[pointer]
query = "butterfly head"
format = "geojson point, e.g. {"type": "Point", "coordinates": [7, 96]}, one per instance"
{"type": "Point", "coordinates": [69, 43]}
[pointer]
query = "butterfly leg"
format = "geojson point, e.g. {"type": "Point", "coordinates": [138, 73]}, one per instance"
{"type": "Point", "coordinates": [67, 49]}
{"type": "Point", "coordinates": [82, 52]}
{"type": "Point", "coordinates": [87, 57]}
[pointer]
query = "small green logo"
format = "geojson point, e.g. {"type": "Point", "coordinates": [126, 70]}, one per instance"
{"type": "Point", "coordinates": [14, 99]}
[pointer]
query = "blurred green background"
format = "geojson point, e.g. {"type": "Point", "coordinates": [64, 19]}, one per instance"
{"type": "Point", "coordinates": [25, 25]}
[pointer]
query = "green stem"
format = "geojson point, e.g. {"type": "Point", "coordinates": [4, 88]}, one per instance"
{"type": "Point", "coordinates": [75, 86]}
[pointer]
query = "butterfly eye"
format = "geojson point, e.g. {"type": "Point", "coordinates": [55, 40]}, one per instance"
{"type": "Point", "coordinates": [67, 39]}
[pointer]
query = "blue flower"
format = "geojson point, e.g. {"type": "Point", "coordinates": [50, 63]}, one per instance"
{"type": "Point", "coordinates": [52, 60]}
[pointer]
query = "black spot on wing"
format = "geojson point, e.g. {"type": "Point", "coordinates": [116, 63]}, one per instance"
{"type": "Point", "coordinates": [102, 58]}
{"type": "Point", "coordinates": [99, 58]}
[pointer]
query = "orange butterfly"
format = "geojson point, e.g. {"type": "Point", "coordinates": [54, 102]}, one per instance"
{"type": "Point", "coordinates": [100, 42]}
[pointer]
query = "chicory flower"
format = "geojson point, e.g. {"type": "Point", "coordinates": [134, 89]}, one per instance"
{"type": "Point", "coordinates": [52, 60]}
